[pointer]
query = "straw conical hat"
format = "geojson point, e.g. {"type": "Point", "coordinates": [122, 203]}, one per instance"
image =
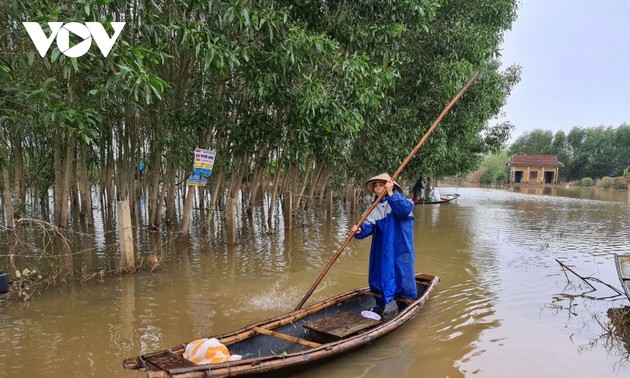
{"type": "Point", "coordinates": [383, 177]}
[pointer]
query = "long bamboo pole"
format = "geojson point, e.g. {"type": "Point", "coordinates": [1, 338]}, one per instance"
{"type": "Point", "coordinates": [394, 177]}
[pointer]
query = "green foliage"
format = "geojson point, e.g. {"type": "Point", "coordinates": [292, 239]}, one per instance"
{"type": "Point", "coordinates": [586, 182]}
{"type": "Point", "coordinates": [433, 66]}
{"type": "Point", "coordinates": [606, 182]}
{"type": "Point", "coordinates": [495, 169]}
{"type": "Point", "coordinates": [535, 142]}
{"type": "Point", "coordinates": [620, 183]}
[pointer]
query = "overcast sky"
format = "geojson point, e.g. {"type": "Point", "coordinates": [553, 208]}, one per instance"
{"type": "Point", "coordinates": [575, 59]}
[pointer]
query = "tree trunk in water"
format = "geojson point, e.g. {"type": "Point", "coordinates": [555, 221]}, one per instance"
{"type": "Point", "coordinates": [122, 192]}
{"type": "Point", "coordinates": [170, 182]}
{"type": "Point", "coordinates": [155, 203]}
{"type": "Point", "coordinates": [74, 188]}
{"type": "Point", "coordinates": [18, 163]}
{"type": "Point", "coordinates": [322, 188]}
{"type": "Point", "coordinates": [314, 182]}
{"type": "Point", "coordinates": [58, 170]}
{"type": "Point", "coordinates": [201, 198]}
{"type": "Point", "coordinates": [106, 177]}
{"type": "Point", "coordinates": [215, 190]}
{"type": "Point", "coordinates": [255, 187]}
{"type": "Point", "coordinates": [236, 181]}
{"type": "Point", "coordinates": [188, 205]}
{"type": "Point", "coordinates": [6, 181]}
{"type": "Point", "coordinates": [230, 221]}
{"type": "Point", "coordinates": [307, 172]}
{"type": "Point", "coordinates": [109, 176]}
{"type": "Point", "coordinates": [274, 196]}
{"type": "Point", "coordinates": [218, 94]}
{"type": "Point", "coordinates": [134, 159]}
{"type": "Point", "coordinates": [84, 183]}
{"type": "Point", "coordinates": [65, 184]}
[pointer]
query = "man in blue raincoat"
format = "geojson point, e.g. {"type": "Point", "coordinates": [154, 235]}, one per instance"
{"type": "Point", "coordinates": [392, 271]}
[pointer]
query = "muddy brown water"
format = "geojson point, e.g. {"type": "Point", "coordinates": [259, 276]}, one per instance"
{"type": "Point", "coordinates": [504, 306]}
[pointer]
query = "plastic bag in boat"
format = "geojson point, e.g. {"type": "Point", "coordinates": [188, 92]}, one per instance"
{"type": "Point", "coordinates": [208, 351]}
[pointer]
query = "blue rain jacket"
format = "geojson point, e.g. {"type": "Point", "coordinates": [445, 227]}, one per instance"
{"type": "Point", "coordinates": [392, 271]}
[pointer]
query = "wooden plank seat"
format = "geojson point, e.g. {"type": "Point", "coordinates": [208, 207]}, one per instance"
{"type": "Point", "coordinates": [339, 326]}
{"type": "Point", "coordinates": [284, 336]}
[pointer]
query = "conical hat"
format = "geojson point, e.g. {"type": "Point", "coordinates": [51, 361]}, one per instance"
{"type": "Point", "coordinates": [383, 177]}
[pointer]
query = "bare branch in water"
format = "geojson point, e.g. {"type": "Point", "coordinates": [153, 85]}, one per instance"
{"type": "Point", "coordinates": [586, 279]}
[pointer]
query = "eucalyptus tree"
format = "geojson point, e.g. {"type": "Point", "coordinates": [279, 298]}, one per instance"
{"type": "Point", "coordinates": [295, 99]}
{"type": "Point", "coordinates": [560, 149]}
{"type": "Point", "coordinates": [621, 148]}
{"type": "Point", "coordinates": [58, 93]}
{"type": "Point", "coordinates": [34, 105]}
{"type": "Point", "coordinates": [370, 36]}
{"type": "Point", "coordinates": [598, 145]}
{"type": "Point", "coordinates": [14, 110]}
{"type": "Point", "coordinates": [535, 142]}
{"type": "Point", "coordinates": [5, 111]}
{"type": "Point", "coordinates": [434, 62]}
{"type": "Point", "coordinates": [330, 71]}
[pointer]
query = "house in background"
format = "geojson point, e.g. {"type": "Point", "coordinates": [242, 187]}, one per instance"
{"type": "Point", "coordinates": [534, 169]}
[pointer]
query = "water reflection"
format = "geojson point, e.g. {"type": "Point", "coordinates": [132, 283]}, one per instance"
{"type": "Point", "coordinates": [574, 192]}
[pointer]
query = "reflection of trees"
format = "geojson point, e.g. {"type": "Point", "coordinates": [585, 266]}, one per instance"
{"type": "Point", "coordinates": [615, 338]}
{"type": "Point", "coordinates": [558, 307]}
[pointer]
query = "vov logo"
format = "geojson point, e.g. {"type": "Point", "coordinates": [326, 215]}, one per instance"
{"type": "Point", "coordinates": [61, 31]}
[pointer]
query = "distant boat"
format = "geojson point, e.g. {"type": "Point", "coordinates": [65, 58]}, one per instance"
{"type": "Point", "coordinates": [622, 262]}
{"type": "Point", "coordinates": [444, 199]}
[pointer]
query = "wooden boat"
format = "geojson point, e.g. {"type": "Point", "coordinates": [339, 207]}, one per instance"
{"type": "Point", "coordinates": [622, 262]}
{"type": "Point", "coordinates": [444, 199]}
{"type": "Point", "coordinates": [293, 341]}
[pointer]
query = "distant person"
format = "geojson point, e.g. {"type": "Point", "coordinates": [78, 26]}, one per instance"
{"type": "Point", "coordinates": [138, 170]}
{"type": "Point", "coordinates": [418, 189]}
{"type": "Point", "coordinates": [391, 270]}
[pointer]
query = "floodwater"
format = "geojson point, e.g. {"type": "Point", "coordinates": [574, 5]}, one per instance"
{"type": "Point", "coordinates": [504, 307]}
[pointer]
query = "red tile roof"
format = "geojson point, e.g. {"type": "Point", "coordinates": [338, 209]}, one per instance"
{"type": "Point", "coordinates": [535, 161]}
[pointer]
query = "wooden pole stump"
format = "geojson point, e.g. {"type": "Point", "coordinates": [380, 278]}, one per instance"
{"type": "Point", "coordinates": [230, 221]}
{"type": "Point", "coordinates": [288, 211]}
{"type": "Point", "coordinates": [125, 235]}
{"type": "Point", "coordinates": [330, 202]}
